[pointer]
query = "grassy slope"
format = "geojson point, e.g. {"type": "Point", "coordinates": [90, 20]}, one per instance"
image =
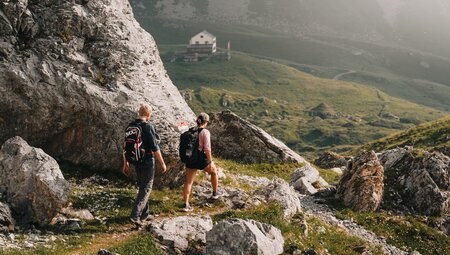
{"type": "Point", "coordinates": [430, 136]}
{"type": "Point", "coordinates": [396, 71]}
{"type": "Point", "coordinates": [251, 85]}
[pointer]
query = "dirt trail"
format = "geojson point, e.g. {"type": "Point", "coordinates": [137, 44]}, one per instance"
{"type": "Point", "coordinates": [338, 76]}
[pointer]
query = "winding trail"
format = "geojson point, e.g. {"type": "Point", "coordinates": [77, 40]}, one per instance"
{"type": "Point", "coordinates": [324, 213]}
{"type": "Point", "coordinates": [338, 76]}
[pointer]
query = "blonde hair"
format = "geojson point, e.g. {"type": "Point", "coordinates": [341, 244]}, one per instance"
{"type": "Point", "coordinates": [145, 110]}
{"type": "Point", "coordinates": [202, 118]}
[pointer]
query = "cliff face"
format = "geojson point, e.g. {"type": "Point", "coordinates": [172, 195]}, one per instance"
{"type": "Point", "coordinates": [73, 73]}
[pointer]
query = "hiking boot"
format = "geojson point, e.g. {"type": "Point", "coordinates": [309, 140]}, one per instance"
{"type": "Point", "coordinates": [147, 218]}
{"type": "Point", "coordinates": [136, 222]}
{"type": "Point", "coordinates": [188, 208]}
{"type": "Point", "coordinates": [216, 195]}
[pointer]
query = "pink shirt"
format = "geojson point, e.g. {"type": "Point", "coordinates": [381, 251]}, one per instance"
{"type": "Point", "coordinates": [204, 140]}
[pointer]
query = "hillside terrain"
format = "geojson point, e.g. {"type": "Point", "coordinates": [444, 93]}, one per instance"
{"type": "Point", "coordinates": [431, 136]}
{"type": "Point", "coordinates": [396, 22]}
{"type": "Point", "coordinates": [310, 114]}
{"type": "Point", "coordinates": [390, 65]}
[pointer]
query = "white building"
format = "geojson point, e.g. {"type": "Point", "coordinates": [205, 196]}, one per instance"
{"type": "Point", "coordinates": [203, 43]}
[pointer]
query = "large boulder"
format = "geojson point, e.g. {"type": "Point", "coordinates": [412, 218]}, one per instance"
{"type": "Point", "coordinates": [237, 236]}
{"type": "Point", "coordinates": [34, 185]}
{"type": "Point", "coordinates": [307, 180]}
{"type": "Point", "coordinates": [235, 138]}
{"type": "Point", "coordinates": [416, 181]}
{"type": "Point", "coordinates": [280, 192]}
{"type": "Point", "coordinates": [177, 233]}
{"type": "Point", "coordinates": [7, 221]}
{"type": "Point", "coordinates": [73, 74]}
{"type": "Point", "coordinates": [329, 159]}
{"type": "Point", "coordinates": [361, 186]}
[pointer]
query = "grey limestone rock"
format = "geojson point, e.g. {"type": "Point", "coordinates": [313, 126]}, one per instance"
{"type": "Point", "coordinates": [34, 185]}
{"type": "Point", "coordinates": [307, 180]}
{"type": "Point", "coordinates": [416, 181]}
{"type": "Point", "coordinates": [72, 76]}
{"type": "Point", "coordinates": [82, 214]}
{"type": "Point", "coordinates": [235, 138]}
{"type": "Point", "coordinates": [7, 222]}
{"type": "Point", "coordinates": [279, 191]}
{"type": "Point", "coordinates": [177, 232]}
{"type": "Point", "coordinates": [238, 236]}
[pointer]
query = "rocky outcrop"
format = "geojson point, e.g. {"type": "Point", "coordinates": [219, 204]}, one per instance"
{"type": "Point", "coordinates": [237, 236]}
{"type": "Point", "coordinates": [416, 181]}
{"type": "Point", "coordinates": [361, 186]}
{"type": "Point", "coordinates": [307, 180]}
{"type": "Point", "coordinates": [329, 159]}
{"type": "Point", "coordinates": [280, 192]}
{"type": "Point", "coordinates": [72, 75]}
{"type": "Point", "coordinates": [7, 222]}
{"type": "Point", "coordinates": [235, 138]}
{"type": "Point", "coordinates": [34, 185]}
{"type": "Point", "coordinates": [177, 233]}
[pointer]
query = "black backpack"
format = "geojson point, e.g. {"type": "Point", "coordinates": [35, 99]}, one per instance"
{"type": "Point", "coordinates": [188, 149]}
{"type": "Point", "coordinates": [133, 145]}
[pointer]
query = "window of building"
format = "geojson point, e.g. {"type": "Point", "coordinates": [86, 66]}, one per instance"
{"type": "Point", "coordinates": [201, 36]}
{"type": "Point", "coordinates": [197, 42]}
{"type": "Point", "coordinates": [206, 42]}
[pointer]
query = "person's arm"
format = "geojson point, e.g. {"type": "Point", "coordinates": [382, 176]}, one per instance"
{"type": "Point", "coordinates": [154, 145]}
{"type": "Point", "coordinates": [126, 165]}
{"type": "Point", "coordinates": [209, 156]}
{"type": "Point", "coordinates": [207, 145]}
{"type": "Point", "coordinates": [160, 159]}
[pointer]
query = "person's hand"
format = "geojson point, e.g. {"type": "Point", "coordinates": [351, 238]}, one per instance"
{"type": "Point", "coordinates": [163, 167]}
{"type": "Point", "coordinates": [126, 169]}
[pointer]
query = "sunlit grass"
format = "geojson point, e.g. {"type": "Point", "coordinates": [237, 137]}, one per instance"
{"type": "Point", "coordinates": [405, 232]}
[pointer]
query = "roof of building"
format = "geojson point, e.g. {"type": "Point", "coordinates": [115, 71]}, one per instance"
{"type": "Point", "coordinates": [205, 32]}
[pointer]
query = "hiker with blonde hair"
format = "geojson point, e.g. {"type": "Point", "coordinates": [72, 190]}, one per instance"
{"type": "Point", "coordinates": [141, 147]}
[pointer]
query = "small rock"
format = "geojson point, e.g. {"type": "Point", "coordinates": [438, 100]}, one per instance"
{"type": "Point", "coordinates": [177, 232]}
{"type": "Point", "coordinates": [238, 236]}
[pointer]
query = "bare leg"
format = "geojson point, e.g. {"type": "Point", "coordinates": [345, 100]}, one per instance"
{"type": "Point", "coordinates": [212, 170]}
{"type": "Point", "coordinates": [190, 176]}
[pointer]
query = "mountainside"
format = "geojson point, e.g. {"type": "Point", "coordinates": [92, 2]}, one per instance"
{"type": "Point", "coordinates": [432, 136]}
{"type": "Point", "coordinates": [310, 114]}
{"type": "Point", "coordinates": [392, 67]}
{"type": "Point", "coordinates": [396, 22]}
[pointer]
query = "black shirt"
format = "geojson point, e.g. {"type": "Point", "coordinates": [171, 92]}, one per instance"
{"type": "Point", "coordinates": [149, 136]}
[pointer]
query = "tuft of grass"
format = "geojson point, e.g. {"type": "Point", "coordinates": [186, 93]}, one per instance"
{"type": "Point", "coordinates": [142, 244]}
{"type": "Point", "coordinates": [328, 175]}
{"type": "Point", "coordinates": [406, 232]}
